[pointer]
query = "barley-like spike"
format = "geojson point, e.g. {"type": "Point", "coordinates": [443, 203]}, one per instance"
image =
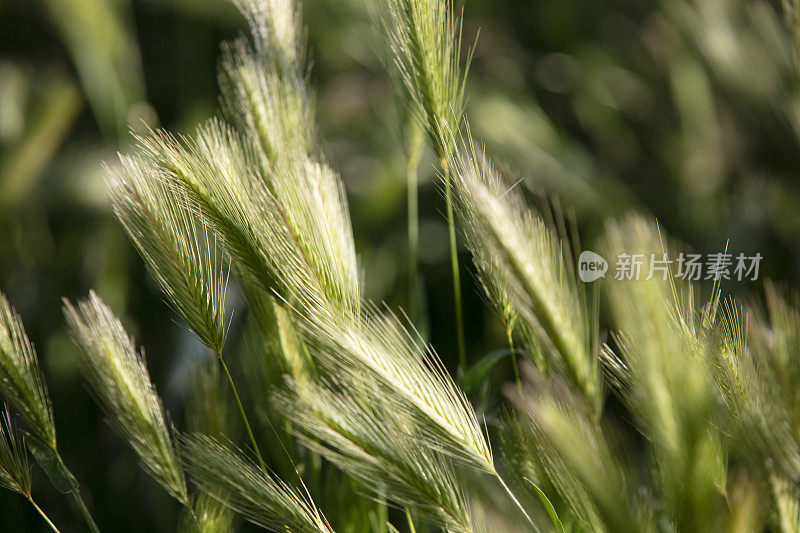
{"type": "Point", "coordinates": [425, 39]}
{"type": "Point", "coordinates": [367, 439]}
{"type": "Point", "coordinates": [226, 475]}
{"type": "Point", "coordinates": [15, 472]}
{"type": "Point", "coordinates": [21, 379]}
{"type": "Point", "coordinates": [523, 265]}
{"type": "Point", "coordinates": [206, 515]}
{"type": "Point", "coordinates": [118, 376]}
{"type": "Point", "coordinates": [179, 250]}
{"type": "Point", "coordinates": [378, 352]}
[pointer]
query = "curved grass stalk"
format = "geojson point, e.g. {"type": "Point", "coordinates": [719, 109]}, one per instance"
{"type": "Point", "coordinates": [413, 153]}
{"type": "Point", "coordinates": [454, 272]}
{"type": "Point", "coordinates": [242, 413]}
{"type": "Point", "coordinates": [15, 472]}
{"type": "Point", "coordinates": [516, 501]}
{"type": "Point", "coordinates": [513, 352]}
{"type": "Point", "coordinates": [410, 520]}
{"type": "Point", "coordinates": [43, 515]}
{"type": "Point", "coordinates": [425, 41]}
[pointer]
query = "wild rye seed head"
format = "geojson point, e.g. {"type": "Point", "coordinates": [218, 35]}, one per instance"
{"type": "Point", "coordinates": [574, 453]}
{"type": "Point", "coordinates": [229, 477]}
{"type": "Point", "coordinates": [262, 81]}
{"type": "Point", "coordinates": [377, 446]}
{"type": "Point", "coordinates": [523, 264]}
{"type": "Point", "coordinates": [425, 41]}
{"type": "Point", "coordinates": [758, 378]}
{"type": "Point", "coordinates": [667, 353]}
{"type": "Point", "coordinates": [207, 515]}
{"type": "Point", "coordinates": [291, 231]}
{"type": "Point", "coordinates": [22, 382]}
{"type": "Point", "coordinates": [179, 250]}
{"type": "Point", "coordinates": [270, 104]}
{"type": "Point", "coordinates": [277, 31]}
{"type": "Point", "coordinates": [395, 366]}
{"type": "Point", "coordinates": [15, 473]}
{"type": "Point", "coordinates": [117, 374]}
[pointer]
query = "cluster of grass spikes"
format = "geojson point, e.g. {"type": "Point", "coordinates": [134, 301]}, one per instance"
{"type": "Point", "coordinates": [335, 387]}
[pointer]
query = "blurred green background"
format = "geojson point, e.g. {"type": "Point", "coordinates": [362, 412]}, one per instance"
{"type": "Point", "coordinates": [687, 110]}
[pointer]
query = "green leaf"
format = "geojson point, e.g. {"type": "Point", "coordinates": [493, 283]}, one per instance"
{"type": "Point", "coordinates": [547, 507]}
{"type": "Point", "coordinates": [52, 464]}
{"type": "Point", "coordinates": [473, 377]}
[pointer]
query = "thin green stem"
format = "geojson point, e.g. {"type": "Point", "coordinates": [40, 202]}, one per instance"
{"type": "Point", "coordinates": [516, 501]}
{"type": "Point", "coordinates": [451, 225]}
{"type": "Point", "coordinates": [58, 470]}
{"type": "Point", "coordinates": [382, 521]}
{"type": "Point", "coordinates": [411, 527]}
{"type": "Point", "coordinates": [510, 337]}
{"type": "Point", "coordinates": [242, 413]}
{"type": "Point", "coordinates": [76, 496]}
{"type": "Point", "coordinates": [195, 519]}
{"type": "Point", "coordinates": [43, 515]}
{"type": "Point", "coordinates": [413, 231]}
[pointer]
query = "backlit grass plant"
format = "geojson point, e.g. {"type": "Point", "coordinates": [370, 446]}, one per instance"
{"type": "Point", "coordinates": [352, 420]}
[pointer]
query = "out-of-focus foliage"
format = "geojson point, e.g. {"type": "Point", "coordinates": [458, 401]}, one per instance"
{"type": "Point", "coordinates": [687, 110]}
